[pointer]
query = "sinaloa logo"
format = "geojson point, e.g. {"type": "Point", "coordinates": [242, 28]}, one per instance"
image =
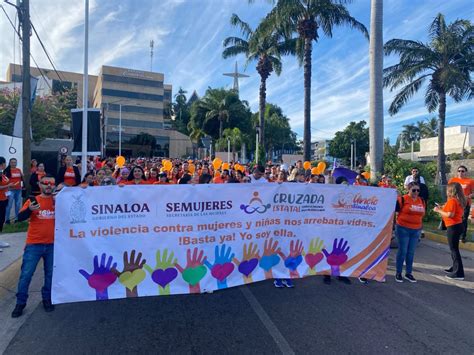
{"type": "Point", "coordinates": [255, 205]}
{"type": "Point", "coordinates": [77, 212]}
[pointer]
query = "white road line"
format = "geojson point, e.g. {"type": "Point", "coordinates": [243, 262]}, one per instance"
{"type": "Point", "coordinates": [279, 339]}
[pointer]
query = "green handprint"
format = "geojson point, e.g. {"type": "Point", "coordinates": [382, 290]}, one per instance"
{"type": "Point", "coordinates": [164, 272]}
{"type": "Point", "coordinates": [314, 255]}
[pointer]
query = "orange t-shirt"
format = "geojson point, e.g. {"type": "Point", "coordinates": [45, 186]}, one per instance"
{"type": "Point", "coordinates": [467, 185]}
{"type": "Point", "coordinates": [3, 182]}
{"type": "Point", "coordinates": [41, 228]}
{"type": "Point", "coordinates": [453, 205]}
{"type": "Point", "coordinates": [411, 213]}
{"type": "Point", "coordinates": [360, 183]}
{"type": "Point", "coordinates": [15, 178]}
{"type": "Point", "coordinates": [70, 177]}
{"type": "Point", "coordinates": [132, 182]}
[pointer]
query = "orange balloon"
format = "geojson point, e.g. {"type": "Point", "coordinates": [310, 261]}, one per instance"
{"type": "Point", "coordinates": [120, 161]}
{"type": "Point", "coordinates": [167, 165]}
{"type": "Point", "coordinates": [216, 163]}
{"type": "Point", "coordinates": [225, 166]}
{"type": "Point", "coordinates": [192, 168]}
{"type": "Point", "coordinates": [315, 171]}
{"type": "Point", "coordinates": [321, 166]}
{"type": "Point", "coordinates": [366, 175]}
{"type": "Point", "coordinates": [236, 166]}
{"type": "Point", "coordinates": [307, 165]}
{"type": "Point", "coordinates": [190, 161]}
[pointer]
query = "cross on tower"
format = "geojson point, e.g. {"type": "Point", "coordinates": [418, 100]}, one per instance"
{"type": "Point", "coordinates": [236, 75]}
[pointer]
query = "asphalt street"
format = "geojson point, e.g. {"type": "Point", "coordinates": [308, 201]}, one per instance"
{"type": "Point", "coordinates": [432, 316]}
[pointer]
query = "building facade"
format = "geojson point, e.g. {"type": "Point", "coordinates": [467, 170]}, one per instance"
{"type": "Point", "coordinates": [134, 102]}
{"type": "Point", "coordinates": [320, 150]}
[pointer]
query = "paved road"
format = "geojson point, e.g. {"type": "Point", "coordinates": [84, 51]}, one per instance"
{"type": "Point", "coordinates": [433, 316]}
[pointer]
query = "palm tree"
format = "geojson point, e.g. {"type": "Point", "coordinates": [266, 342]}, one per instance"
{"type": "Point", "coordinates": [195, 134]}
{"type": "Point", "coordinates": [409, 134]}
{"type": "Point", "coordinates": [430, 128]}
{"type": "Point", "coordinates": [306, 17]}
{"type": "Point", "coordinates": [447, 61]}
{"type": "Point", "coordinates": [266, 49]}
{"type": "Point", "coordinates": [376, 123]}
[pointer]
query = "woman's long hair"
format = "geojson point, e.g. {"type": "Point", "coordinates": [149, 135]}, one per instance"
{"type": "Point", "coordinates": [131, 175]}
{"type": "Point", "coordinates": [454, 190]}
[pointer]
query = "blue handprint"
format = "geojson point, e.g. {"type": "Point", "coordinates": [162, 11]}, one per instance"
{"type": "Point", "coordinates": [102, 276]}
{"type": "Point", "coordinates": [223, 266]}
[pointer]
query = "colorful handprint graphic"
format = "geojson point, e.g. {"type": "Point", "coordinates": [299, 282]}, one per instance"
{"type": "Point", "coordinates": [294, 259]}
{"type": "Point", "coordinates": [222, 266]}
{"type": "Point", "coordinates": [132, 274]}
{"type": "Point", "coordinates": [194, 270]}
{"type": "Point", "coordinates": [249, 261]}
{"type": "Point", "coordinates": [314, 255]}
{"type": "Point", "coordinates": [337, 257]}
{"type": "Point", "coordinates": [101, 277]}
{"type": "Point", "coordinates": [270, 257]}
{"type": "Point", "coordinates": [164, 272]}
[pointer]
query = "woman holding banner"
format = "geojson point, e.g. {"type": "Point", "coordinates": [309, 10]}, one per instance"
{"type": "Point", "coordinates": [410, 208]}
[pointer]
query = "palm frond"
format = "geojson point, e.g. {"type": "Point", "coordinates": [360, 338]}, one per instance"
{"type": "Point", "coordinates": [405, 94]}
{"type": "Point", "coordinates": [244, 26]}
{"type": "Point", "coordinates": [431, 98]}
{"type": "Point", "coordinates": [438, 26]}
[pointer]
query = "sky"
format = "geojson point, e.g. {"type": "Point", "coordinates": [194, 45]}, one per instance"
{"type": "Point", "coordinates": [188, 36]}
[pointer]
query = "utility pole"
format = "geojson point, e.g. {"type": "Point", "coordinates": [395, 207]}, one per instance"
{"type": "Point", "coordinates": [24, 14]}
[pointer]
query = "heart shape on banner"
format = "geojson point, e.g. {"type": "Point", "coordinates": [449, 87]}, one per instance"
{"type": "Point", "coordinates": [269, 261]}
{"type": "Point", "coordinates": [247, 266]}
{"type": "Point", "coordinates": [193, 275]}
{"type": "Point", "coordinates": [130, 279]}
{"type": "Point", "coordinates": [164, 277]}
{"type": "Point", "coordinates": [313, 259]}
{"type": "Point", "coordinates": [221, 271]}
{"type": "Point", "coordinates": [100, 282]}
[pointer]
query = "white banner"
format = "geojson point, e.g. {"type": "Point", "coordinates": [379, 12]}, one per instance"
{"type": "Point", "coordinates": [116, 242]}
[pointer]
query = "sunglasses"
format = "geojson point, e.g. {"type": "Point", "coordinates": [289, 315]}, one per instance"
{"type": "Point", "coordinates": [415, 190]}
{"type": "Point", "coordinates": [461, 171]}
{"type": "Point", "coordinates": [47, 183]}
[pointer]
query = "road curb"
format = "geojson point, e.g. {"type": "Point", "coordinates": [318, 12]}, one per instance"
{"type": "Point", "coordinates": [440, 238]}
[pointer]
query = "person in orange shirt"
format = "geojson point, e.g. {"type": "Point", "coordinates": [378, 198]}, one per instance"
{"type": "Point", "coordinates": [410, 211]}
{"type": "Point", "coordinates": [5, 185]}
{"type": "Point", "coordinates": [39, 244]}
{"type": "Point", "coordinates": [35, 179]}
{"type": "Point", "coordinates": [359, 181]}
{"type": "Point", "coordinates": [467, 185]}
{"type": "Point", "coordinates": [16, 178]}
{"type": "Point", "coordinates": [69, 174]}
{"type": "Point", "coordinates": [452, 214]}
{"type": "Point", "coordinates": [136, 176]}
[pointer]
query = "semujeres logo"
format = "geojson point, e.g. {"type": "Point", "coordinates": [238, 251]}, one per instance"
{"type": "Point", "coordinates": [255, 205]}
{"type": "Point", "coordinates": [355, 203]}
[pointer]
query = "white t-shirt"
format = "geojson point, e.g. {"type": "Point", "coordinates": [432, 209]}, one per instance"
{"type": "Point", "coordinates": [410, 178]}
{"type": "Point", "coordinates": [262, 180]}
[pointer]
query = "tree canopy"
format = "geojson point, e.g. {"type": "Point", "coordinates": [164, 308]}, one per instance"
{"type": "Point", "coordinates": [340, 146]}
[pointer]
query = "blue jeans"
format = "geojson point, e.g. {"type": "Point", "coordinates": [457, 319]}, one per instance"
{"type": "Point", "coordinates": [407, 242]}
{"type": "Point", "coordinates": [32, 255]}
{"type": "Point", "coordinates": [13, 199]}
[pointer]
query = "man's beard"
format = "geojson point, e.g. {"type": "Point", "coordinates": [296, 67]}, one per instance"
{"type": "Point", "coordinates": [47, 193]}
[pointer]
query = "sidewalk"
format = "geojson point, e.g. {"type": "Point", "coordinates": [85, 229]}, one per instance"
{"type": "Point", "coordinates": [440, 237]}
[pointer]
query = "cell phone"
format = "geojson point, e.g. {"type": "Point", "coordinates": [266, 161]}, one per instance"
{"type": "Point", "coordinates": [436, 204]}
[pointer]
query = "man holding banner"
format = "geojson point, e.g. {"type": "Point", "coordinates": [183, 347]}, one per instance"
{"type": "Point", "coordinates": [39, 244]}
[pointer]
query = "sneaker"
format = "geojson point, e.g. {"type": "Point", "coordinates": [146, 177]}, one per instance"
{"type": "Point", "coordinates": [18, 311]}
{"type": "Point", "coordinates": [463, 239]}
{"type": "Point", "coordinates": [288, 283]}
{"type": "Point", "coordinates": [327, 279]}
{"type": "Point", "coordinates": [363, 280]}
{"type": "Point", "coordinates": [398, 277]}
{"type": "Point", "coordinates": [410, 278]}
{"type": "Point", "coordinates": [4, 244]}
{"type": "Point", "coordinates": [454, 277]}
{"type": "Point", "coordinates": [448, 271]}
{"type": "Point", "coordinates": [48, 306]}
{"type": "Point", "coordinates": [344, 280]}
{"type": "Point", "coordinates": [278, 283]}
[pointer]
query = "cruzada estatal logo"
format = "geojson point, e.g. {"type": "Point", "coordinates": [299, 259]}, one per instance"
{"type": "Point", "coordinates": [77, 211]}
{"type": "Point", "coordinates": [355, 203]}
{"type": "Point", "coordinates": [255, 205]}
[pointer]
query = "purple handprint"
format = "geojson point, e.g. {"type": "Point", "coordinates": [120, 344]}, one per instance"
{"type": "Point", "coordinates": [102, 276]}
{"type": "Point", "coordinates": [223, 266]}
{"type": "Point", "coordinates": [338, 256]}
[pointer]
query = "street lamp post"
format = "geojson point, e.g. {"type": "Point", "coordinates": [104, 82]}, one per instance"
{"type": "Point", "coordinates": [257, 131]}
{"type": "Point", "coordinates": [120, 129]}
{"type": "Point", "coordinates": [228, 150]}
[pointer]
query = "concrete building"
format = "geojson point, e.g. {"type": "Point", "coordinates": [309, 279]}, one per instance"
{"type": "Point", "coordinates": [320, 150]}
{"type": "Point", "coordinates": [457, 139]}
{"type": "Point", "coordinates": [135, 102]}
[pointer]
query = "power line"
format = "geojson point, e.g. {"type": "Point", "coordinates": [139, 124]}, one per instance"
{"type": "Point", "coordinates": [19, 37]}
{"type": "Point", "coordinates": [46, 52]}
